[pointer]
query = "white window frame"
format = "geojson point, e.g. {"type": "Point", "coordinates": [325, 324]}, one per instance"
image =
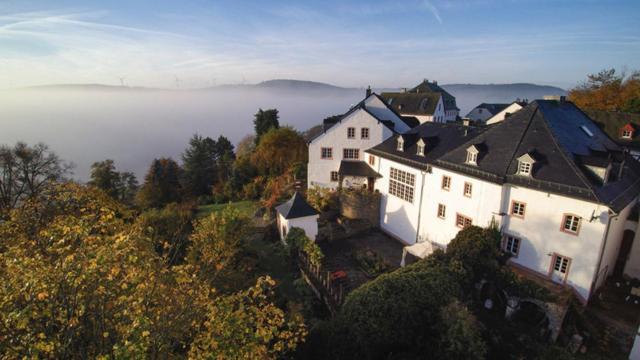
{"type": "Point", "coordinates": [573, 222]}
{"type": "Point", "coordinates": [364, 133]}
{"type": "Point", "coordinates": [326, 153]}
{"type": "Point", "coordinates": [420, 151]}
{"type": "Point", "coordinates": [512, 245]}
{"type": "Point", "coordinates": [472, 158]}
{"type": "Point", "coordinates": [524, 168]}
{"type": "Point", "coordinates": [626, 134]}
{"type": "Point", "coordinates": [351, 154]}
{"type": "Point", "coordinates": [442, 211]}
{"type": "Point", "coordinates": [335, 178]}
{"type": "Point", "coordinates": [351, 133]}
{"type": "Point", "coordinates": [401, 184]}
{"type": "Point", "coordinates": [468, 189]}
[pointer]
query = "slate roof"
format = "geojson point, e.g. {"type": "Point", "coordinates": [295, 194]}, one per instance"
{"type": "Point", "coordinates": [296, 207]}
{"type": "Point", "coordinates": [551, 132]}
{"type": "Point", "coordinates": [421, 100]}
{"type": "Point", "coordinates": [357, 168]}
{"type": "Point", "coordinates": [611, 122]}
{"type": "Point", "coordinates": [439, 138]}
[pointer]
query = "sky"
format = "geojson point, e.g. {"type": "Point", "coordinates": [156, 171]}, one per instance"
{"type": "Point", "coordinates": [196, 43]}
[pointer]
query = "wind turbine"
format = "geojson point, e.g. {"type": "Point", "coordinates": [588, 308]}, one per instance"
{"type": "Point", "coordinates": [122, 78]}
{"type": "Point", "coordinates": [178, 81]}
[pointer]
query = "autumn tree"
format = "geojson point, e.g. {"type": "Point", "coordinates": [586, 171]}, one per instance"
{"type": "Point", "coordinates": [279, 150]}
{"type": "Point", "coordinates": [25, 171]}
{"type": "Point", "coordinates": [169, 229]}
{"type": "Point", "coordinates": [119, 185]}
{"type": "Point", "coordinates": [78, 279]}
{"type": "Point", "coordinates": [161, 184]}
{"type": "Point", "coordinates": [609, 91]}
{"type": "Point", "coordinates": [216, 242]}
{"type": "Point", "coordinates": [246, 146]}
{"type": "Point", "coordinates": [264, 121]}
{"type": "Point", "coordinates": [247, 325]}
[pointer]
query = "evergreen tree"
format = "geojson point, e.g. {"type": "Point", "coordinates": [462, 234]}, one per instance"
{"type": "Point", "coordinates": [120, 186]}
{"type": "Point", "coordinates": [161, 184]}
{"type": "Point", "coordinates": [265, 120]}
{"type": "Point", "coordinates": [199, 161]}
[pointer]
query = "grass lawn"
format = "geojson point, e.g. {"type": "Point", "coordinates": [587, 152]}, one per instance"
{"type": "Point", "coordinates": [246, 207]}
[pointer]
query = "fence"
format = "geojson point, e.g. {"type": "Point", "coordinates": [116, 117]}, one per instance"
{"type": "Point", "coordinates": [328, 290]}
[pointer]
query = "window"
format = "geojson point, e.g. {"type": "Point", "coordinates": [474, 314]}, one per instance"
{"type": "Point", "coordinates": [364, 133]}
{"type": "Point", "coordinates": [353, 154]}
{"type": "Point", "coordinates": [467, 189]}
{"type": "Point", "coordinates": [372, 160]}
{"type": "Point", "coordinates": [525, 164]}
{"type": "Point", "coordinates": [326, 153]}
{"type": "Point", "coordinates": [517, 209]}
{"type": "Point", "coordinates": [420, 151]}
{"type": "Point", "coordinates": [334, 176]}
{"type": "Point", "coordinates": [512, 245]}
{"type": "Point", "coordinates": [626, 134]}
{"type": "Point", "coordinates": [571, 224]}
{"type": "Point", "coordinates": [560, 267]}
{"type": "Point", "coordinates": [351, 133]}
{"type": "Point", "coordinates": [446, 182]}
{"type": "Point", "coordinates": [401, 184]}
{"type": "Point", "coordinates": [463, 221]}
{"type": "Point", "coordinates": [472, 158]}
{"type": "Point", "coordinates": [400, 146]}
{"type": "Point", "coordinates": [442, 211]}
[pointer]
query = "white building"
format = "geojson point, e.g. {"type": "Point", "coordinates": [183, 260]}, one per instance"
{"type": "Point", "coordinates": [484, 111]}
{"type": "Point", "coordinates": [296, 212]}
{"type": "Point", "coordinates": [511, 109]}
{"type": "Point", "coordinates": [336, 156]}
{"type": "Point", "coordinates": [557, 186]}
{"type": "Point", "coordinates": [427, 102]}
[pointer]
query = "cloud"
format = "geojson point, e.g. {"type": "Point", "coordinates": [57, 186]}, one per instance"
{"type": "Point", "coordinates": [433, 10]}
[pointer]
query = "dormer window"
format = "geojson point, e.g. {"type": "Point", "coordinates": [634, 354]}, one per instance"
{"type": "Point", "coordinates": [420, 148]}
{"type": "Point", "coordinates": [400, 146]}
{"type": "Point", "coordinates": [525, 165]}
{"type": "Point", "coordinates": [472, 155]}
{"type": "Point", "coordinates": [627, 132]}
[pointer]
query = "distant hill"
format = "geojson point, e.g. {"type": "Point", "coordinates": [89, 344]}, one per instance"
{"type": "Point", "coordinates": [467, 95]}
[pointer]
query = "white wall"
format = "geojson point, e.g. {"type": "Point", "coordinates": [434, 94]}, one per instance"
{"type": "Point", "coordinates": [307, 223]}
{"type": "Point", "coordinates": [479, 114]}
{"type": "Point", "coordinates": [381, 111]}
{"type": "Point", "coordinates": [539, 230]}
{"type": "Point", "coordinates": [617, 225]}
{"type": "Point", "coordinates": [450, 115]}
{"type": "Point", "coordinates": [511, 109]}
{"type": "Point", "coordinates": [397, 216]}
{"type": "Point", "coordinates": [319, 170]}
{"type": "Point", "coordinates": [541, 236]}
{"type": "Point", "coordinates": [480, 207]}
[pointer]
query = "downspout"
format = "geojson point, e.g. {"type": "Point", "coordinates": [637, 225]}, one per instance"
{"type": "Point", "coordinates": [604, 246]}
{"type": "Point", "coordinates": [420, 204]}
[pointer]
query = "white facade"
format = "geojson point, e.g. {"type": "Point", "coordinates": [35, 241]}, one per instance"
{"type": "Point", "coordinates": [432, 216]}
{"type": "Point", "coordinates": [337, 138]}
{"type": "Point", "coordinates": [511, 109]}
{"type": "Point", "coordinates": [307, 223]}
{"type": "Point", "coordinates": [479, 114]}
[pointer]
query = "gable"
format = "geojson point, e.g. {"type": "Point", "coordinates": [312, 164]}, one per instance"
{"type": "Point", "coordinates": [357, 118]}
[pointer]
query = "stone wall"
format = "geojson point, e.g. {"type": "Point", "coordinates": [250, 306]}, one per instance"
{"type": "Point", "coordinates": [360, 204]}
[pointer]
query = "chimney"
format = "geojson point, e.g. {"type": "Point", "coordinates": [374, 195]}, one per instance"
{"type": "Point", "coordinates": [368, 92]}
{"type": "Point", "coordinates": [559, 98]}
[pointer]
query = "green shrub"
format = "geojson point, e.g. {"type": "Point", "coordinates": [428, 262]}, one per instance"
{"type": "Point", "coordinates": [297, 240]}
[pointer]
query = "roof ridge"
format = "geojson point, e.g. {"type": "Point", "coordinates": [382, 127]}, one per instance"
{"type": "Point", "coordinates": [565, 156]}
